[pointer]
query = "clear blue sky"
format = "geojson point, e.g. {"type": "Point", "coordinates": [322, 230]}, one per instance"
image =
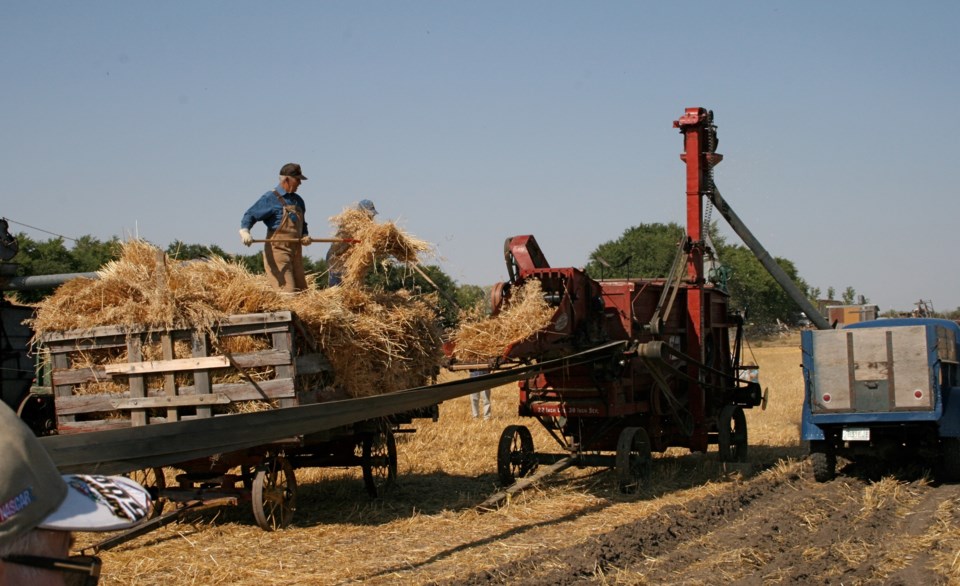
{"type": "Point", "coordinates": [468, 122]}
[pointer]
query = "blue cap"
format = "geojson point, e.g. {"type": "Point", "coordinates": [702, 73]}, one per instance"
{"type": "Point", "coordinates": [367, 206]}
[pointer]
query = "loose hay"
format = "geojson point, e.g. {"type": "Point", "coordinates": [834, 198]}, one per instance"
{"type": "Point", "coordinates": [479, 339]}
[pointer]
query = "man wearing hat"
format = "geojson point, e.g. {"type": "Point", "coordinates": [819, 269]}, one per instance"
{"type": "Point", "coordinates": [282, 211]}
{"type": "Point", "coordinates": [335, 253]}
{"type": "Point", "coordinates": [40, 510]}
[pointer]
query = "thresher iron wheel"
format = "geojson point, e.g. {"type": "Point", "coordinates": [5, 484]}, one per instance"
{"type": "Point", "coordinates": [515, 458]}
{"type": "Point", "coordinates": [379, 461]}
{"type": "Point", "coordinates": [633, 459]}
{"type": "Point", "coordinates": [155, 482]}
{"type": "Point", "coordinates": [274, 493]}
{"type": "Point", "coordinates": [732, 434]}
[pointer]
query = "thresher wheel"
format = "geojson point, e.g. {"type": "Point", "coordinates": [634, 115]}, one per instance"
{"type": "Point", "coordinates": [633, 460]}
{"type": "Point", "coordinates": [732, 434]}
{"type": "Point", "coordinates": [274, 494]}
{"type": "Point", "coordinates": [379, 461]}
{"type": "Point", "coordinates": [155, 482]}
{"type": "Point", "coordinates": [515, 457]}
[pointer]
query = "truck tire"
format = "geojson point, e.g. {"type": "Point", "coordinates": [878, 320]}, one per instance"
{"type": "Point", "coordinates": [824, 466]}
{"type": "Point", "coordinates": [950, 459]}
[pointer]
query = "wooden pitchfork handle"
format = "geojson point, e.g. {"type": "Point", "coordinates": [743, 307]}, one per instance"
{"type": "Point", "coordinates": [348, 240]}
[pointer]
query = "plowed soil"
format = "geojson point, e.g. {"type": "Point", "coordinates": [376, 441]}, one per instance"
{"type": "Point", "coordinates": [695, 522]}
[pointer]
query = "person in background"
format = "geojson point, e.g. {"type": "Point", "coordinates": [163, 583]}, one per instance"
{"type": "Point", "coordinates": [335, 253]}
{"type": "Point", "coordinates": [282, 210]}
{"type": "Point", "coordinates": [40, 510]}
{"type": "Point", "coordinates": [480, 401]}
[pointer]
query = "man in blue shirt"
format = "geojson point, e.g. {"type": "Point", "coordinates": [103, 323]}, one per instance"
{"type": "Point", "coordinates": [282, 211]}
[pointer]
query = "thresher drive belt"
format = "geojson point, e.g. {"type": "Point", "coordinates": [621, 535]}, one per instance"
{"type": "Point", "coordinates": [124, 450]}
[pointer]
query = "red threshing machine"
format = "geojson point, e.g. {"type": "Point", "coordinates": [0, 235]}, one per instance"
{"type": "Point", "coordinates": [678, 382]}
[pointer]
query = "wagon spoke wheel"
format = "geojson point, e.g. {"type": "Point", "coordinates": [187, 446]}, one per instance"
{"type": "Point", "coordinates": [379, 461]}
{"type": "Point", "coordinates": [732, 434]}
{"type": "Point", "coordinates": [515, 457]}
{"type": "Point", "coordinates": [633, 459]}
{"type": "Point", "coordinates": [155, 482]}
{"type": "Point", "coordinates": [274, 494]}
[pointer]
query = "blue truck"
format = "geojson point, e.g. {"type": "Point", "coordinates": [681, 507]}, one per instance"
{"type": "Point", "coordinates": [883, 390]}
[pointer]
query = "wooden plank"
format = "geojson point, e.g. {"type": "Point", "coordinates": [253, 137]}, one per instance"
{"type": "Point", "coordinates": [76, 376]}
{"type": "Point", "coordinates": [505, 494]}
{"type": "Point", "coordinates": [256, 318]}
{"type": "Point", "coordinates": [180, 401]}
{"type": "Point", "coordinates": [313, 363]}
{"type": "Point", "coordinates": [284, 342]}
{"type": "Point", "coordinates": [138, 386]}
{"type": "Point", "coordinates": [174, 365]}
{"type": "Point", "coordinates": [169, 379]}
{"type": "Point", "coordinates": [61, 361]}
{"type": "Point", "coordinates": [76, 427]}
{"type": "Point", "coordinates": [201, 378]}
{"type": "Point", "coordinates": [122, 332]}
{"type": "Point", "coordinates": [105, 402]}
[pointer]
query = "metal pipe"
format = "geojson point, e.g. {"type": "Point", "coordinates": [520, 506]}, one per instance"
{"type": "Point", "coordinates": [42, 281]}
{"type": "Point", "coordinates": [778, 274]}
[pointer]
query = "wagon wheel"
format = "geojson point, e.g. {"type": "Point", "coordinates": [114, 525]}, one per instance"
{"type": "Point", "coordinates": [155, 482]}
{"type": "Point", "coordinates": [732, 434]}
{"type": "Point", "coordinates": [379, 461]}
{"type": "Point", "coordinates": [515, 458]}
{"type": "Point", "coordinates": [633, 460]}
{"type": "Point", "coordinates": [274, 494]}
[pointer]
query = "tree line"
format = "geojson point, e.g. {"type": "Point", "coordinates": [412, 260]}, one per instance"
{"type": "Point", "coordinates": [647, 250]}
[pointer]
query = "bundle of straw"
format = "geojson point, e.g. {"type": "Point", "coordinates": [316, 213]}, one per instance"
{"type": "Point", "coordinates": [378, 242]}
{"type": "Point", "coordinates": [480, 338]}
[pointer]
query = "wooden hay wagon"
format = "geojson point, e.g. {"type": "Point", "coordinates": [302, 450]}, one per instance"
{"type": "Point", "coordinates": [112, 377]}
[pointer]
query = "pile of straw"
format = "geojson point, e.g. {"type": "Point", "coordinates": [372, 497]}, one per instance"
{"type": "Point", "coordinates": [376, 341]}
{"type": "Point", "coordinates": [378, 242]}
{"type": "Point", "coordinates": [481, 339]}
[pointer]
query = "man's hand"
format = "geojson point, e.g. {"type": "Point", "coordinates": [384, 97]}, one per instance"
{"type": "Point", "coordinates": [245, 237]}
{"type": "Point", "coordinates": [306, 241]}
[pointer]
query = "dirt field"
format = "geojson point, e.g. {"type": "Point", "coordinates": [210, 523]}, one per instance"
{"type": "Point", "coordinates": [696, 523]}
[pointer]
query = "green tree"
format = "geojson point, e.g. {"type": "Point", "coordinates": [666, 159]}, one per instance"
{"type": "Point", "coordinates": [395, 277]}
{"type": "Point", "coordinates": [646, 250]}
{"type": "Point", "coordinates": [182, 251]}
{"type": "Point", "coordinates": [469, 296]}
{"type": "Point", "coordinates": [753, 290]}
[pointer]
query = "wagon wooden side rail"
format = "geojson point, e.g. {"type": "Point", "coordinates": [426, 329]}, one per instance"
{"type": "Point", "coordinates": [153, 385]}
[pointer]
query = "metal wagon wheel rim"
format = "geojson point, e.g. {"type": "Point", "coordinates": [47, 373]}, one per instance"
{"type": "Point", "coordinates": [633, 459]}
{"type": "Point", "coordinates": [154, 480]}
{"type": "Point", "coordinates": [515, 454]}
{"type": "Point", "coordinates": [732, 434]}
{"type": "Point", "coordinates": [274, 494]}
{"type": "Point", "coordinates": [379, 462]}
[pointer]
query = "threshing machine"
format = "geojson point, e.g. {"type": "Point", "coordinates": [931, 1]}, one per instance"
{"type": "Point", "coordinates": [677, 384]}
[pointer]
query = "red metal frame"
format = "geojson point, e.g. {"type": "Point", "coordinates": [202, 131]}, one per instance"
{"type": "Point", "coordinates": [695, 125]}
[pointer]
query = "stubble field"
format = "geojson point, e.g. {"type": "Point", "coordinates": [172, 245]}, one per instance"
{"type": "Point", "coordinates": [696, 522]}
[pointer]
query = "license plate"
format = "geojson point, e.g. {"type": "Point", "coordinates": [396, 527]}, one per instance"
{"type": "Point", "coordinates": [856, 434]}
